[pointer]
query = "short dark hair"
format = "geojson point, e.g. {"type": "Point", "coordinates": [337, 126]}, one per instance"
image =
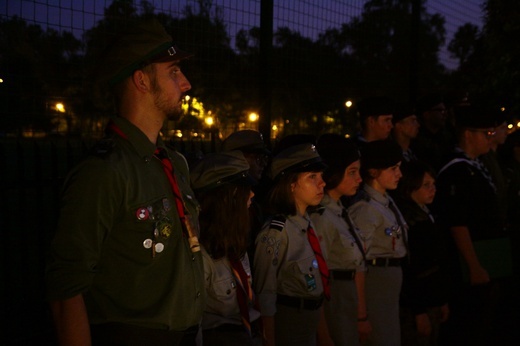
{"type": "Point", "coordinates": [281, 199]}
{"type": "Point", "coordinates": [413, 175]}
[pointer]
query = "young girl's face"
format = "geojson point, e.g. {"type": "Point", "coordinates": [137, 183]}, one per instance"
{"type": "Point", "coordinates": [424, 194]}
{"type": "Point", "coordinates": [307, 190]}
{"type": "Point", "coordinates": [351, 180]}
{"type": "Point", "coordinates": [388, 178]}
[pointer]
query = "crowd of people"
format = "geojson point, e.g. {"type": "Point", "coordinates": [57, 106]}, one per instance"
{"type": "Point", "coordinates": [401, 235]}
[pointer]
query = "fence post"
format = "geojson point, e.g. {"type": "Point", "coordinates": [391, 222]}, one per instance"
{"type": "Point", "coordinates": [265, 78]}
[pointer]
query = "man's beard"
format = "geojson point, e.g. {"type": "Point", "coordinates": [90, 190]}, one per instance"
{"type": "Point", "coordinates": [172, 112]}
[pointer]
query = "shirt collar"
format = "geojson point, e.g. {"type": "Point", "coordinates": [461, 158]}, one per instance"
{"type": "Point", "coordinates": [376, 195]}
{"type": "Point", "coordinates": [137, 138]}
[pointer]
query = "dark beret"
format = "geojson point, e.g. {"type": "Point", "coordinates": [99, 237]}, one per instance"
{"type": "Point", "coordinates": [380, 154]}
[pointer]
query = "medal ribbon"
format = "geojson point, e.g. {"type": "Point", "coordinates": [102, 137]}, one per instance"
{"type": "Point", "coordinates": [322, 265]}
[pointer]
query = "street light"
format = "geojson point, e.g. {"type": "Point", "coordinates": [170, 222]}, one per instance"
{"type": "Point", "coordinates": [348, 104]}
{"type": "Point", "coordinates": [60, 107]}
{"type": "Point", "coordinates": [209, 121]}
{"type": "Point", "coordinates": [253, 117]}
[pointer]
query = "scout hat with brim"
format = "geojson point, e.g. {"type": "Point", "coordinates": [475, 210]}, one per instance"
{"type": "Point", "coordinates": [137, 46]}
{"type": "Point", "coordinates": [247, 141]}
{"type": "Point", "coordinates": [215, 170]}
{"type": "Point", "coordinates": [298, 158]}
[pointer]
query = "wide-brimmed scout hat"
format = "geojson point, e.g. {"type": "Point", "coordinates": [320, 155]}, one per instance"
{"type": "Point", "coordinates": [247, 141]}
{"type": "Point", "coordinates": [135, 47]}
{"type": "Point", "coordinates": [297, 158]}
{"type": "Point", "coordinates": [215, 170]}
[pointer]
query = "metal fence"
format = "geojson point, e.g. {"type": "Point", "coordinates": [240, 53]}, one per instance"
{"type": "Point", "coordinates": [35, 160]}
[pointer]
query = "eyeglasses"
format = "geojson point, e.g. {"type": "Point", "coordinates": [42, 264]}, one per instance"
{"type": "Point", "coordinates": [486, 133]}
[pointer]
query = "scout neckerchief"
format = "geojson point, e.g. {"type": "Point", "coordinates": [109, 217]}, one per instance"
{"type": "Point", "coordinates": [352, 231]}
{"type": "Point", "coordinates": [475, 163]}
{"type": "Point", "coordinates": [244, 291]}
{"type": "Point", "coordinates": [162, 155]}
{"type": "Point", "coordinates": [322, 265]}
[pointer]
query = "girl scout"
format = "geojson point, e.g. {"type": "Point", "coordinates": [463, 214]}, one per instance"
{"type": "Point", "coordinates": [290, 273]}
{"type": "Point", "coordinates": [342, 241]}
{"type": "Point", "coordinates": [223, 187]}
{"type": "Point", "coordinates": [384, 231]}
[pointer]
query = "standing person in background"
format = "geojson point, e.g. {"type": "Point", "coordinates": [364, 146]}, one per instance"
{"type": "Point", "coordinates": [223, 187]}
{"type": "Point", "coordinates": [405, 130]}
{"type": "Point", "coordinates": [434, 143]}
{"type": "Point", "coordinates": [492, 164]}
{"type": "Point", "coordinates": [467, 206]}
{"type": "Point", "coordinates": [251, 144]}
{"type": "Point", "coordinates": [425, 291]}
{"type": "Point", "coordinates": [125, 267]}
{"type": "Point", "coordinates": [384, 231]}
{"type": "Point", "coordinates": [346, 312]}
{"type": "Point", "coordinates": [375, 118]}
{"type": "Point", "coordinates": [291, 276]}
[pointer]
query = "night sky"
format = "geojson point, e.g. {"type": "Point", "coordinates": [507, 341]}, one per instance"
{"type": "Point", "coordinates": [309, 17]}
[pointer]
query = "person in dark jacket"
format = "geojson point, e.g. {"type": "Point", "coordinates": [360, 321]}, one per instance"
{"type": "Point", "coordinates": [424, 294]}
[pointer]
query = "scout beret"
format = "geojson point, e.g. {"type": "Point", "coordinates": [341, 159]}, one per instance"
{"type": "Point", "coordinates": [375, 106]}
{"type": "Point", "coordinates": [297, 158]}
{"type": "Point", "coordinates": [336, 151]}
{"type": "Point", "coordinates": [477, 117]}
{"type": "Point", "coordinates": [138, 45]}
{"type": "Point", "coordinates": [380, 154]}
{"type": "Point", "coordinates": [247, 141]}
{"type": "Point", "coordinates": [402, 111]}
{"type": "Point", "coordinates": [216, 170]}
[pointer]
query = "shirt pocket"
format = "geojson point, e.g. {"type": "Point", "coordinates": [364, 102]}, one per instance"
{"type": "Point", "coordinates": [224, 293]}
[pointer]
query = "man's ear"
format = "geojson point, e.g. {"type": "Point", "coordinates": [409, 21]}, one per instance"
{"type": "Point", "coordinates": [140, 80]}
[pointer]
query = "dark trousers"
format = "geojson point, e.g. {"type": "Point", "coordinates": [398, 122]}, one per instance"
{"type": "Point", "coordinates": [119, 334]}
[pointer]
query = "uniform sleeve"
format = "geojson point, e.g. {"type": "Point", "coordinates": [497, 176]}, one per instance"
{"type": "Point", "coordinates": [367, 219]}
{"type": "Point", "coordinates": [92, 195]}
{"type": "Point", "coordinates": [271, 248]}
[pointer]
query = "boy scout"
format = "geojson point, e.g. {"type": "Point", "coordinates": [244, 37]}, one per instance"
{"type": "Point", "coordinates": [124, 267]}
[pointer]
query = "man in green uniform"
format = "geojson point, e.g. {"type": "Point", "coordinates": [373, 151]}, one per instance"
{"type": "Point", "coordinates": [125, 267]}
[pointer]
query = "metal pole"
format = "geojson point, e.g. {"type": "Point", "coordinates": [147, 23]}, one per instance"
{"type": "Point", "coordinates": [265, 69]}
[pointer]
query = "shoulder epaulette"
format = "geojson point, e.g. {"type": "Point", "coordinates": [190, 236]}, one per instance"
{"type": "Point", "coordinates": [277, 222]}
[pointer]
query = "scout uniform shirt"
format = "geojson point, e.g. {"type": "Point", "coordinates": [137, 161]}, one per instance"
{"type": "Point", "coordinates": [383, 235]}
{"type": "Point", "coordinates": [285, 263]}
{"type": "Point", "coordinates": [337, 242]}
{"type": "Point", "coordinates": [120, 242]}
{"type": "Point", "coordinates": [221, 287]}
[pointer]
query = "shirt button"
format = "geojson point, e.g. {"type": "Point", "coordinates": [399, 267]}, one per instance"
{"type": "Point", "coordinates": [147, 159]}
{"type": "Point", "coordinates": [193, 258]}
{"type": "Point", "coordinates": [198, 294]}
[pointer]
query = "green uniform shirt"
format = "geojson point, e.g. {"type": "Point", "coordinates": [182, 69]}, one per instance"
{"type": "Point", "coordinates": [111, 205]}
